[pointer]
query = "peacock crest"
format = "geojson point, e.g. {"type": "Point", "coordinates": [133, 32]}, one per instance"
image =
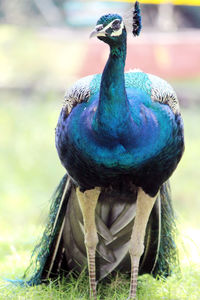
{"type": "Point", "coordinates": [137, 24]}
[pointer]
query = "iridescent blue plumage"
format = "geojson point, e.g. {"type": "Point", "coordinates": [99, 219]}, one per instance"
{"type": "Point", "coordinates": [121, 131]}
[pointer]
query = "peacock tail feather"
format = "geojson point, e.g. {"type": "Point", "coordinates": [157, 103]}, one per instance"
{"type": "Point", "coordinates": [45, 247]}
{"type": "Point", "coordinates": [62, 248]}
{"type": "Point", "coordinates": [168, 259]}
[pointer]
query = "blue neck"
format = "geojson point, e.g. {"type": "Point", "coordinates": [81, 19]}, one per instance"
{"type": "Point", "coordinates": [112, 110]}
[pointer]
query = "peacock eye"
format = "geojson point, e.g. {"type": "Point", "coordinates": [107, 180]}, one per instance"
{"type": "Point", "coordinates": [116, 25]}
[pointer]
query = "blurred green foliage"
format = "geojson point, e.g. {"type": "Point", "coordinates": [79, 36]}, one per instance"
{"type": "Point", "coordinates": [32, 59]}
{"type": "Point", "coordinates": [185, 181]}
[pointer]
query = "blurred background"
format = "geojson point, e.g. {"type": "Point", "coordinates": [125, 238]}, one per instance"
{"type": "Point", "coordinates": [45, 47]}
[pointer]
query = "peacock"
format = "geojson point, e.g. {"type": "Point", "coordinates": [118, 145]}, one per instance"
{"type": "Point", "coordinates": [120, 137]}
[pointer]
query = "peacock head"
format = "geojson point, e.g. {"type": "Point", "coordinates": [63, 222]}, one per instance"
{"type": "Point", "coordinates": [111, 29]}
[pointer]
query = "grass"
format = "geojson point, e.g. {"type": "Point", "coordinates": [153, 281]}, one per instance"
{"type": "Point", "coordinates": [30, 170]}
{"type": "Point", "coordinates": [177, 287]}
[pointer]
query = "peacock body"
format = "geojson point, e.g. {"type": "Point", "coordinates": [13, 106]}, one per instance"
{"type": "Point", "coordinates": [143, 144]}
{"type": "Point", "coordinates": [120, 137]}
{"type": "Point", "coordinates": [123, 134]}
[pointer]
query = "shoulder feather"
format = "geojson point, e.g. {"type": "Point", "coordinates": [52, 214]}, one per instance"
{"type": "Point", "coordinates": [81, 91]}
{"type": "Point", "coordinates": [163, 92]}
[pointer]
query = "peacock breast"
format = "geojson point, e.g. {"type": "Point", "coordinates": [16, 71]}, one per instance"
{"type": "Point", "coordinates": [146, 147]}
{"type": "Point", "coordinates": [149, 128]}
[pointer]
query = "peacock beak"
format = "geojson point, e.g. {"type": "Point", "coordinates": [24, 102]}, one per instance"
{"type": "Point", "coordinates": [94, 33]}
{"type": "Point", "coordinates": [98, 31]}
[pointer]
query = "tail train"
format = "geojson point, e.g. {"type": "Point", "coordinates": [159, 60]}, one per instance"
{"type": "Point", "coordinates": [62, 249]}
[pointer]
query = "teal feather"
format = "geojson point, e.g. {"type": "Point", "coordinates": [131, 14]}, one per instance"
{"type": "Point", "coordinates": [44, 249]}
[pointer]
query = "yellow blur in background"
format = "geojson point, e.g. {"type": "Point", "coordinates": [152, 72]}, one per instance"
{"type": "Point", "coordinates": [175, 2]}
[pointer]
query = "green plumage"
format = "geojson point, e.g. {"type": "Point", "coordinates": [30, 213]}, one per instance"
{"type": "Point", "coordinates": [168, 258]}
{"type": "Point", "coordinates": [44, 248]}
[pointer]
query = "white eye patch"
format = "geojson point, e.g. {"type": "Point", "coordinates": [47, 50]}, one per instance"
{"type": "Point", "coordinates": [117, 28]}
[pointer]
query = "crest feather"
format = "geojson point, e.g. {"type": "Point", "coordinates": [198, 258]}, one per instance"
{"type": "Point", "coordinates": [137, 25]}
